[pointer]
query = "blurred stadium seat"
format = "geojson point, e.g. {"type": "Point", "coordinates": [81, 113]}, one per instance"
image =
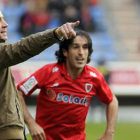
{"type": "Point", "coordinates": [97, 15]}
{"type": "Point", "coordinates": [124, 24]}
{"type": "Point", "coordinates": [102, 41]}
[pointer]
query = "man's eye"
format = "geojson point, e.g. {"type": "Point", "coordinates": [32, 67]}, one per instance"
{"type": "Point", "coordinates": [85, 47]}
{"type": "Point", "coordinates": [75, 47]}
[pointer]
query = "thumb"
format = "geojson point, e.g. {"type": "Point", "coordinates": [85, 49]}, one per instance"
{"type": "Point", "coordinates": [75, 24]}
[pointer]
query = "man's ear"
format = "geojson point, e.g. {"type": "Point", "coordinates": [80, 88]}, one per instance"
{"type": "Point", "coordinates": [65, 52]}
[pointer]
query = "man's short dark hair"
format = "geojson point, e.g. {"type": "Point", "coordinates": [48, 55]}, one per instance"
{"type": "Point", "coordinates": [67, 42]}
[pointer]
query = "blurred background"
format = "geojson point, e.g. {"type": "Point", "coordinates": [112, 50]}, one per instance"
{"type": "Point", "coordinates": [114, 27]}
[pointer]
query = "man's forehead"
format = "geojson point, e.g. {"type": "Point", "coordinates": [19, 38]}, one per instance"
{"type": "Point", "coordinates": [1, 15]}
{"type": "Point", "coordinates": [80, 38]}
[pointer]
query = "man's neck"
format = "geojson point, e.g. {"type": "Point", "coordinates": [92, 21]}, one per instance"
{"type": "Point", "coordinates": [73, 73]}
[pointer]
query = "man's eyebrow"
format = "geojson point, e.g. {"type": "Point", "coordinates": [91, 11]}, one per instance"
{"type": "Point", "coordinates": [78, 44]}
{"type": "Point", "coordinates": [74, 44]}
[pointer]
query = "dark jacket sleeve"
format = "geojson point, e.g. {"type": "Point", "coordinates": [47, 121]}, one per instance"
{"type": "Point", "coordinates": [14, 53]}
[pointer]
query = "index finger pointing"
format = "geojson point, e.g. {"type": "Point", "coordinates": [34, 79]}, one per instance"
{"type": "Point", "coordinates": [75, 24]}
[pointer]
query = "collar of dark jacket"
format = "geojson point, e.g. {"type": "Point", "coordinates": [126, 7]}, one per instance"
{"type": "Point", "coordinates": [2, 41]}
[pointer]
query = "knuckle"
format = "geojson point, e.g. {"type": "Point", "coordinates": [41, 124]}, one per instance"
{"type": "Point", "coordinates": [33, 135]}
{"type": "Point", "coordinates": [67, 23]}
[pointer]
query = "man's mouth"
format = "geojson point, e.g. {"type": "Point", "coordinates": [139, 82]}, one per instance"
{"type": "Point", "coordinates": [3, 32]}
{"type": "Point", "coordinates": [80, 59]}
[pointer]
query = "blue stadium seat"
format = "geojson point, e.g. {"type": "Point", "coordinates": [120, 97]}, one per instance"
{"type": "Point", "coordinates": [13, 37]}
{"type": "Point", "coordinates": [103, 47]}
{"type": "Point", "coordinates": [97, 15]}
{"type": "Point", "coordinates": [55, 22]}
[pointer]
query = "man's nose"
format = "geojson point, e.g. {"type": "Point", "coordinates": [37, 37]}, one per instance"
{"type": "Point", "coordinates": [81, 50]}
{"type": "Point", "coordinates": [5, 25]}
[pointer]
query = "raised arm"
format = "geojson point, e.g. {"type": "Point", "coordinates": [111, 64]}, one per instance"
{"type": "Point", "coordinates": [111, 113]}
{"type": "Point", "coordinates": [14, 53]}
